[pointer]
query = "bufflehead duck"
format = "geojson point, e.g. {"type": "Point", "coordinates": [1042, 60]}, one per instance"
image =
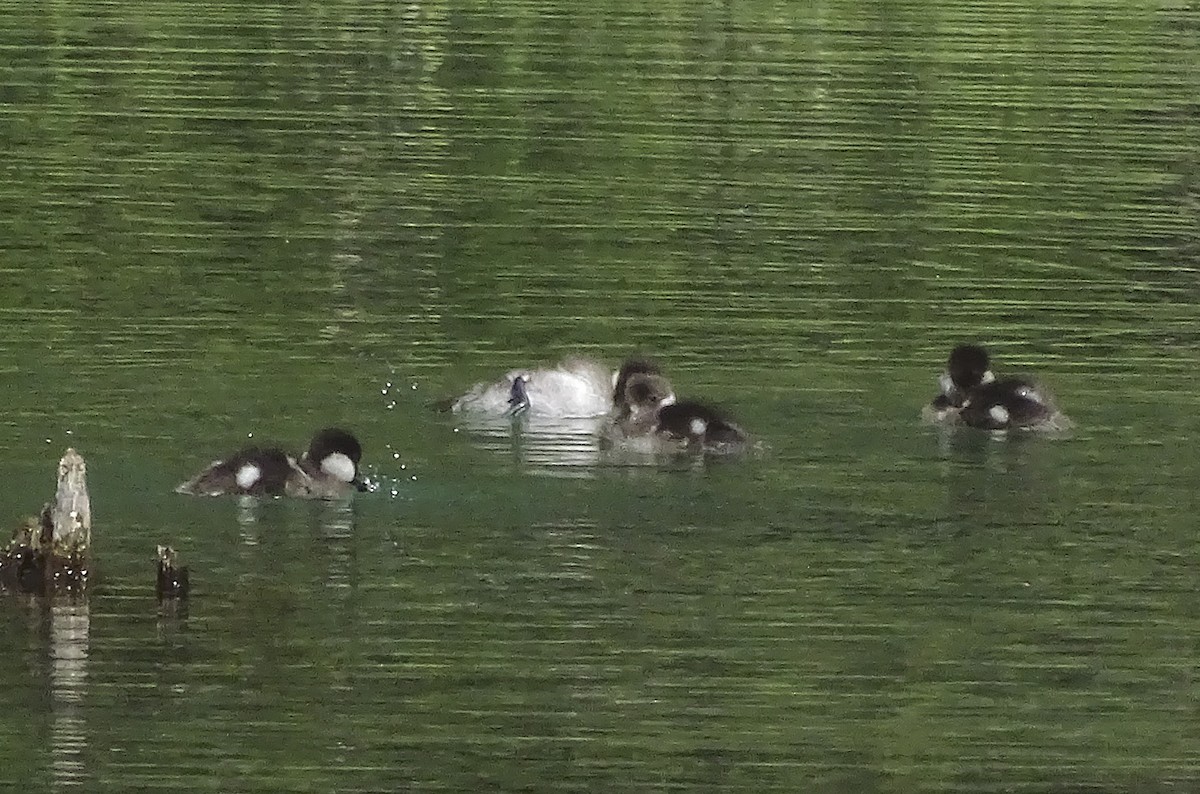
{"type": "Point", "coordinates": [972, 395]}
{"type": "Point", "coordinates": [651, 421]}
{"type": "Point", "coordinates": [635, 413]}
{"type": "Point", "coordinates": [327, 470]}
{"type": "Point", "coordinates": [700, 428]}
{"type": "Point", "coordinates": [640, 388]}
{"type": "Point", "coordinates": [651, 382]}
{"type": "Point", "coordinates": [966, 369]}
{"type": "Point", "coordinates": [1013, 402]}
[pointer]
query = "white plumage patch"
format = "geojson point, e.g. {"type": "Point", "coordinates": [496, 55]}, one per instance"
{"type": "Point", "coordinates": [338, 466]}
{"type": "Point", "coordinates": [698, 426]}
{"type": "Point", "coordinates": [1032, 394]}
{"type": "Point", "coordinates": [247, 476]}
{"type": "Point", "coordinates": [668, 400]}
{"type": "Point", "coordinates": [988, 377]}
{"type": "Point", "coordinates": [999, 414]}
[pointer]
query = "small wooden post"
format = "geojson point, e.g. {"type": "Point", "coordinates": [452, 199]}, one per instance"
{"type": "Point", "coordinates": [53, 553]}
{"type": "Point", "coordinates": [72, 514]}
{"type": "Point", "coordinates": [69, 557]}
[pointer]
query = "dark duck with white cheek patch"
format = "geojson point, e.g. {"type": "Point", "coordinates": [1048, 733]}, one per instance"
{"type": "Point", "coordinates": [700, 427]}
{"type": "Point", "coordinates": [648, 420]}
{"type": "Point", "coordinates": [327, 470]}
{"type": "Point", "coordinates": [973, 396]}
{"type": "Point", "coordinates": [1012, 403]}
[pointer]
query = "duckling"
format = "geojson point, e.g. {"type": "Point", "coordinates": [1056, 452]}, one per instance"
{"type": "Point", "coordinates": [327, 470]}
{"type": "Point", "coordinates": [651, 421]}
{"type": "Point", "coordinates": [632, 368]}
{"type": "Point", "coordinates": [700, 428]}
{"type": "Point", "coordinates": [635, 414]}
{"type": "Point", "coordinates": [1012, 403]}
{"type": "Point", "coordinates": [967, 368]}
{"type": "Point", "coordinates": [972, 395]}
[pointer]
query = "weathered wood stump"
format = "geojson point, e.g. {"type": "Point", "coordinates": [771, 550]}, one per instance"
{"type": "Point", "coordinates": [172, 577]}
{"type": "Point", "coordinates": [52, 553]}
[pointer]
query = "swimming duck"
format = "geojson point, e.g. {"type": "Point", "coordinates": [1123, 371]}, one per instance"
{"type": "Point", "coordinates": [967, 368]}
{"type": "Point", "coordinates": [1012, 402]}
{"type": "Point", "coordinates": [651, 421]}
{"type": "Point", "coordinates": [972, 395]}
{"type": "Point", "coordinates": [650, 385]}
{"type": "Point", "coordinates": [700, 428]}
{"type": "Point", "coordinates": [327, 470]}
{"type": "Point", "coordinates": [635, 412]}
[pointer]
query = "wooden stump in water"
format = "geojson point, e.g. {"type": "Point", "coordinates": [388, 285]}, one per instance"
{"type": "Point", "coordinates": [52, 553]}
{"type": "Point", "coordinates": [172, 582]}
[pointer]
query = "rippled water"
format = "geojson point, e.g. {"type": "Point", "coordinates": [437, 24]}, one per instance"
{"type": "Point", "coordinates": [223, 220]}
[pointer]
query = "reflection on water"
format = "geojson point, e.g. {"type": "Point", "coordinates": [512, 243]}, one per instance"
{"type": "Point", "coordinates": [539, 445]}
{"type": "Point", "coordinates": [70, 625]}
{"type": "Point", "coordinates": [335, 532]}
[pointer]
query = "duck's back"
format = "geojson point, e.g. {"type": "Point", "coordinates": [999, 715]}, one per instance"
{"type": "Point", "coordinates": [256, 471]}
{"type": "Point", "coordinates": [1013, 403]}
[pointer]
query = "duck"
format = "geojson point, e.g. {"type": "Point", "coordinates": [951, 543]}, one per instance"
{"type": "Point", "coordinates": [649, 385]}
{"type": "Point", "coordinates": [700, 427]}
{"type": "Point", "coordinates": [574, 388]}
{"type": "Point", "coordinates": [643, 391]}
{"type": "Point", "coordinates": [972, 395]}
{"type": "Point", "coordinates": [650, 420]}
{"type": "Point", "coordinates": [327, 470]}
{"type": "Point", "coordinates": [967, 367]}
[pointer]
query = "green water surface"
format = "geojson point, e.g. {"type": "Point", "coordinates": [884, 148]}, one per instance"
{"type": "Point", "coordinates": [223, 220]}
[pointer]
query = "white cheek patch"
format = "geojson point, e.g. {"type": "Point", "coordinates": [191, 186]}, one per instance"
{"type": "Point", "coordinates": [668, 400]}
{"type": "Point", "coordinates": [339, 467]}
{"type": "Point", "coordinates": [247, 476]}
{"type": "Point", "coordinates": [698, 426]}
{"type": "Point", "coordinates": [998, 414]}
{"type": "Point", "coordinates": [946, 383]}
{"type": "Point", "coordinates": [988, 377]}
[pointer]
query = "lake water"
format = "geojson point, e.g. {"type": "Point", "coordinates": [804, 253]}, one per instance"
{"type": "Point", "coordinates": [219, 220]}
